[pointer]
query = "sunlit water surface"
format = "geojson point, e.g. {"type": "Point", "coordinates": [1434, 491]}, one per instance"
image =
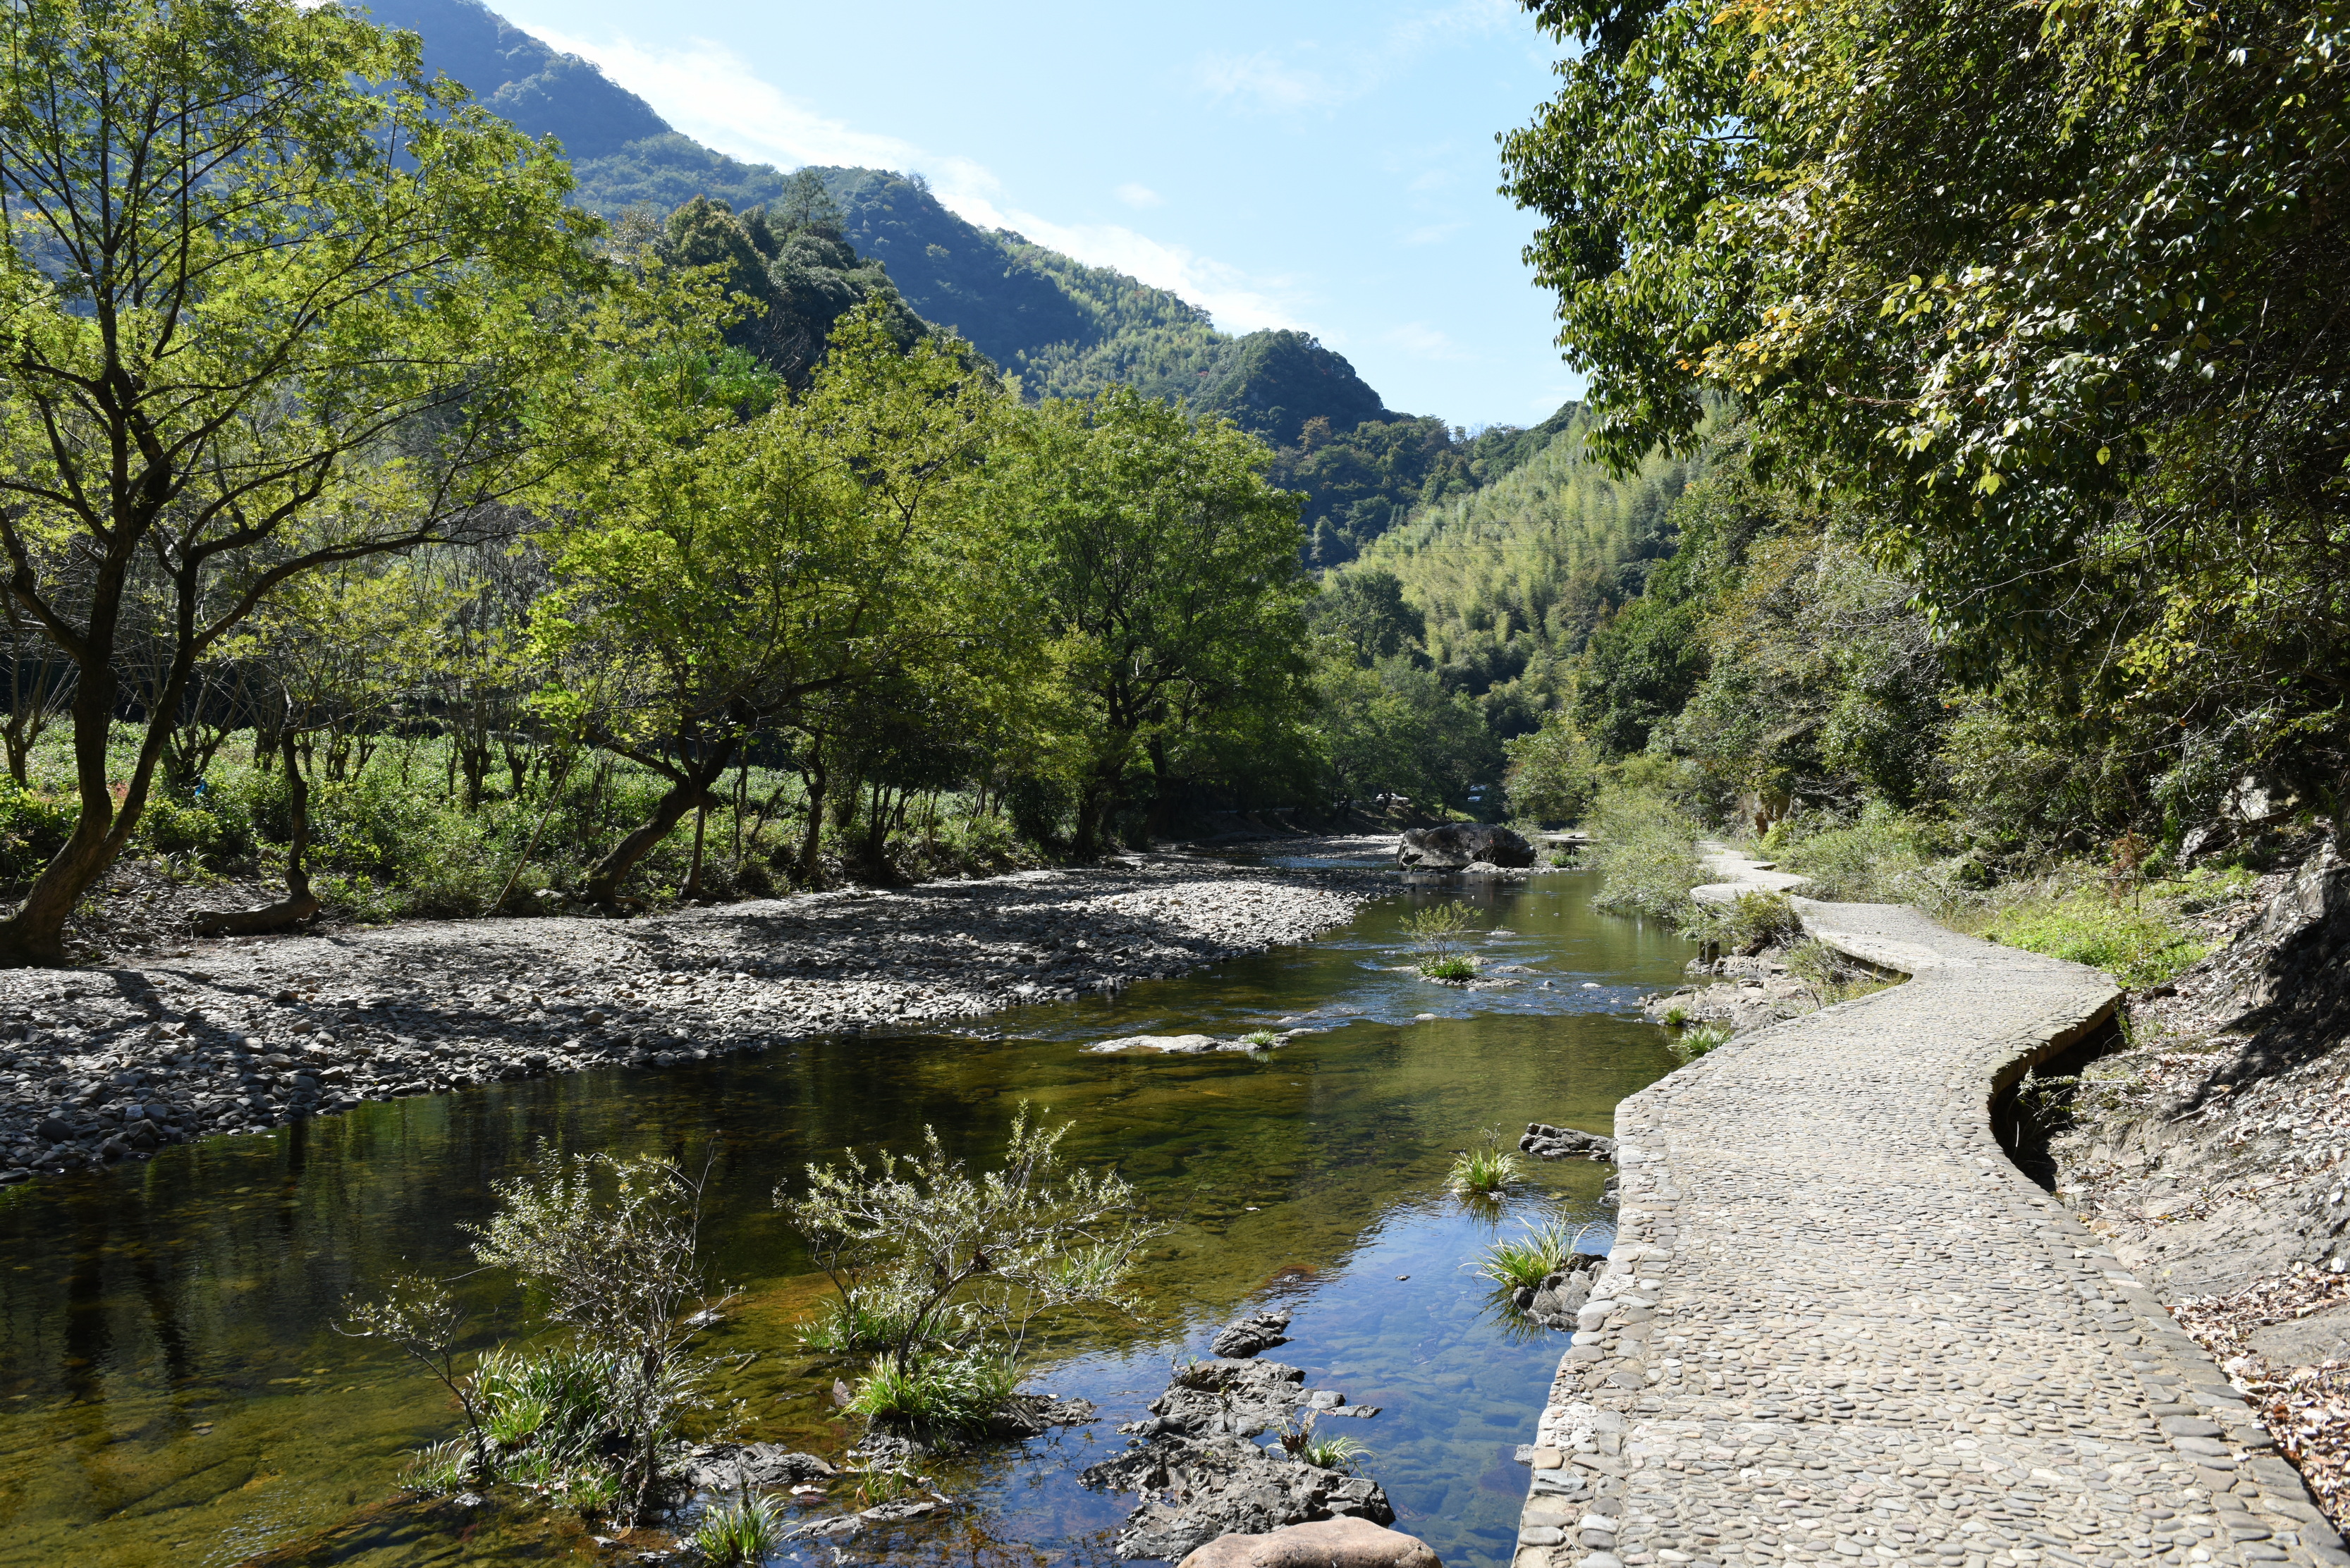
{"type": "Point", "coordinates": [172, 1390]}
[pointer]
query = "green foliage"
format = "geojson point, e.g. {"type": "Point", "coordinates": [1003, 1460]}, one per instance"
{"type": "Point", "coordinates": [847, 1325]}
{"type": "Point", "coordinates": [2138, 948]}
{"type": "Point", "coordinates": [1524, 1261]}
{"type": "Point", "coordinates": [962, 1263]}
{"type": "Point", "coordinates": [609, 1247]}
{"type": "Point", "coordinates": [943, 1390]}
{"type": "Point", "coordinates": [1553, 775]}
{"type": "Point", "coordinates": [1393, 728]}
{"type": "Point", "coordinates": [2076, 269]}
{"type": "Point", "coordinates": [1874, 858]}
{"type": "Point", "coordinates": [440, 1468]}
{"type": "Point", "coordinates": [1698, 1039]}
{"type": "Point", "coordinates": [1514, 578]}
{"type": "Point", "coordinates": [1644, 845]}
{"type": "Point", "coordinates": [1438, 934]}
{"type": "Point", "coordinates": [1485, 1167]}
{"type": "Point", "coordinates": [737, 1530]}
{"type": "Point", "coordinates": [1166, 570]}
{"type": "Point", "coordinates": [1329, 1451]}
{"type": "Point", "coordinates": [1747, 924]}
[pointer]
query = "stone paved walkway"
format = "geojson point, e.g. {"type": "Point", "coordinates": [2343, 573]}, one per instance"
{"type": "Point", "coordinates": [1839, 1326]}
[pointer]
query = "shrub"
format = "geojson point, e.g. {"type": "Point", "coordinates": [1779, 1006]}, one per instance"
{"type": "Point", "coordinates": [1748, 924]}
{"type": "Point", "coordinates": [34, 826]}
{"type": "Point", "coordinates": [1876, 856]}
{"type": "Point", "coordinates": [1439, 935]}
{"type": "Point", "coordinates": [847, 1325]}
{"type": "Point", "coordinates": [440, 1468]}
{"type": "Point", "coordinates": [1645, 847]}
{"type": "Point", "coordinates": [965, 1263]}
{"type": "Point", "coordinates": [1486, 1167]}
{"type": "Point", "coordinates": [737, 1530]}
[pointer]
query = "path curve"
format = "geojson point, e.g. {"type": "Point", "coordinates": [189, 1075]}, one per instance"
{"type": "Point", "coordinates": [1839, 1326]}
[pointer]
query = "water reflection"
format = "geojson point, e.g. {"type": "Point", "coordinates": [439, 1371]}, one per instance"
{"type": "Point", "coordinates": [174, 1393]}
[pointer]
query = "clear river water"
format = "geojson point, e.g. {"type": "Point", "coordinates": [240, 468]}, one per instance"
{"type": "Point", "coordinates": [173, 1391]}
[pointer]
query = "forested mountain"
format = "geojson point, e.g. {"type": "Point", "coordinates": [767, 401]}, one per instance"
{"type": "Point", "coordinates": [1065, 328]}
{"type": "Point", "coordinates": [1509, 582]}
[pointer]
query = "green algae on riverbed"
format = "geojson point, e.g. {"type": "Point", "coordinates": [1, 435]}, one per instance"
{"type": "Point", "coordinates": [173, 1391]}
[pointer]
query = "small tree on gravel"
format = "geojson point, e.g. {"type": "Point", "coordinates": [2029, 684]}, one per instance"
{"type": "Point", "coordinates": [960, 1264]}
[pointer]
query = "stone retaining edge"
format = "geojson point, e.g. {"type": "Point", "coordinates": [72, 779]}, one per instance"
{"type": "Point", "coordinates": [1579, 1437]}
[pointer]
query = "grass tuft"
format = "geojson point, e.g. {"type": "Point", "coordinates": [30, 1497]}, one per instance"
{"type": "Point", "coordinates": [955, 1392]}
{"type": "Point", "coordinates": [740, 1530]}
{"type": "Point", "coordinates": [1529, 1260]}
{"type": "Point", "coordinates": [1696, 1041]}
{"type": "Point", "coordinates": [1486, 1167]}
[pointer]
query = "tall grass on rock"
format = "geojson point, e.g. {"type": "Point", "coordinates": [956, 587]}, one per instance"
{"type": "Point", "coordinates": [1644, 845]}
{"type": "Point", "coordinates": [960, 1264]}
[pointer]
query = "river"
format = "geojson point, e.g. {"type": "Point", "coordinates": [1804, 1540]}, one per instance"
{"type": "Point", "coordinates": [173, 1391]}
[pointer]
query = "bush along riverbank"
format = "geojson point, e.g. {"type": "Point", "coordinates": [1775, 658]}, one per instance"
{"type": "Point", "coordinates": [99, 1065]}
{"type": "Point", "coordinates": [944, 1276]}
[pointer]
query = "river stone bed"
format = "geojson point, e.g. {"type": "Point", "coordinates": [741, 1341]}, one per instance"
{"type": "Point", "coordinates": [102, 1065]}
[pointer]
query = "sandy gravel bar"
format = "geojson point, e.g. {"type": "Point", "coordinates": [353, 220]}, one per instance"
{"type": "Point", "coordinates": [102, 1065]}
{"type": "Point", "coordinates": [1839, 1326]}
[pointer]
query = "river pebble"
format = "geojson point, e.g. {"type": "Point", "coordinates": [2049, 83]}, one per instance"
{"type": "Point", "coordinates": [103, 1065]}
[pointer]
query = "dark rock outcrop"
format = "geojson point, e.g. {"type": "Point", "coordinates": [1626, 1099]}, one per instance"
{"type": "Point", "coordinates": [1459, 844]}
{"type": "Point", "coordinates": [1199, 1489]}
{"type": "Point", "coordinates": [753, 1466]}
{"type": "Point", "coordinates": [1546, 1142]}
{"type": "Point", "coordinates": [1250, 1335]}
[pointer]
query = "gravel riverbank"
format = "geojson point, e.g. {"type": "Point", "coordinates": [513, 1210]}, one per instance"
{"type": "Point", "coordinates": [102, 1063]}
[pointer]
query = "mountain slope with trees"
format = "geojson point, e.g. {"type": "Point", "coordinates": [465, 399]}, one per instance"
{"type": "Point", "coordinates": [1065, 328]}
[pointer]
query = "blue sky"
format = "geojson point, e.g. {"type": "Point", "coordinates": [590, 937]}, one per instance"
{"type": "Point", "coordinates": [1300, 163]}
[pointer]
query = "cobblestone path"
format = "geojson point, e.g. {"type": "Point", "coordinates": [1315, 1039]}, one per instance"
{"type": "Point", "coordinates": [1838, 1327]}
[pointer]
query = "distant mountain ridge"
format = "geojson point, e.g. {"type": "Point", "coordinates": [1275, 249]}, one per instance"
{"type": "Point", "coordinates": [1065, 328]}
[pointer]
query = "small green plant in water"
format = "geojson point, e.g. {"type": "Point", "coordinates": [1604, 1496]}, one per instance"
{"type": "Point", "coordinates": [847, 1325]}
{"type": "Point", "coordinates": [1439, 939]}
{"type": "Point", "coordinates": [1260, 1039]}
{"type": "Point", "coordinates": [440, 1468]}
{"type": "Point", "coordinates": [942, 1390]}
{"type": "Point", "coordinates": [738, 1530]}
{"type": "Point", "coordinates": [1487, 1167]}
{"type": "Point", "coordinates": [1527, 1261]}
{"type": "Point", "coordinates": [591, 1489]}
{"type": "Point", "coordinates": [1307, 1446]}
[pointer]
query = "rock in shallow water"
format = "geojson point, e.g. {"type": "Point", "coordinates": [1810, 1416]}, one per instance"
{"type": "Point", "coordinates": [1256, 1332]}
{"type": "Point", "coordinates": [1546, 1142]}
{"type": "Point", "coordinates": [1461, 843]}
{"type": "Point", "coordinates": [1226, 1486]}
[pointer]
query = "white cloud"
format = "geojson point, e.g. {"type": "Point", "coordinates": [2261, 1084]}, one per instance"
{"type": "Point", "coordinates": [1138, 195]}
{"type": "Point", "coordinates": [1267, 81]}
{"type": "Point", "coordinates": [1431, 233]}
{"type": "Point", "coordinates": [713, 94]}
{"type": "Point", "coordinates": [1427, 342]}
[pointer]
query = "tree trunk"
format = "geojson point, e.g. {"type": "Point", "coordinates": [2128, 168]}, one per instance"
{"type": "Point", "coordinates": [300, 903]}
{"type": "Point", "coordinates": [812, 841]}
{"type": "Point", "coordinates": [35, 933]}
{"type": "Point", "coordinates": [692, 888]}
{"type": "Point", "coordinates": [690, 789]}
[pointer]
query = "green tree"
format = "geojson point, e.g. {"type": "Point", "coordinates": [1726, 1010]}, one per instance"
{"type": "Point", "coordinates": [2053, 287]}
{"type": "Point", "coordinates": [728, 554]}
{"type": "Point", "coordinates": [1167, 571]}
{"type": "Point", "coordinates": [254, 273]}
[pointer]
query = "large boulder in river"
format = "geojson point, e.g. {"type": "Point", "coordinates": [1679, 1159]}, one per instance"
{"type": "Point", "coordinates": [1460, 844]}
{"type": "Point", "coordinates": [1326, 1543]}
{"type": "Point", "coordinates": [1195, 1492]}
